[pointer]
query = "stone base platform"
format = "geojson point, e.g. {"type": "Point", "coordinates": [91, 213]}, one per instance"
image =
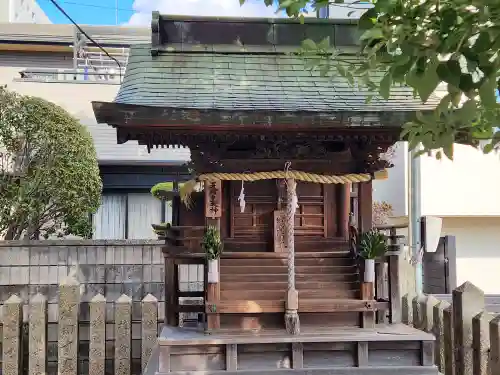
{"type": "Point", "coordinates": [384, 350]}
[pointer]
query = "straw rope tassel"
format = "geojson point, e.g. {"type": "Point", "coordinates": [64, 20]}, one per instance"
{"type": "Point", "coordinates": [292, 321]}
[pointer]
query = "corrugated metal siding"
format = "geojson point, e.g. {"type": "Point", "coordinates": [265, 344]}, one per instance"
{"type": "Point", "coordinates": [106, 35]}
{"type": "Point", "coordinates": [26, 60]}
{"type": "Point", "coordinates": [76, 98]}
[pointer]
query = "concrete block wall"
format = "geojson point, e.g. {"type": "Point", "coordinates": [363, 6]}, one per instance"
{"type": "Point", "coordinates": [109, 267]}
{"type": "Point", "coordinates": [112, 268]}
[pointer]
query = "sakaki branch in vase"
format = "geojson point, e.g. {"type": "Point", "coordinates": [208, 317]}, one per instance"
{"type": "Point", "coordinates": [212, 245]}
{"type": "Point", "coordinates": [371, 246]}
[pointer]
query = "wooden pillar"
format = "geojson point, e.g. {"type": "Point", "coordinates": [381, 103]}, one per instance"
{"type": "Point", "coordinates": [171, 300]}
{"type": "Point", "coordinates": [213, 210]}
{"type": "Point", "coordinates": [292, 322]}
{"type": "Point", "coordinates": [365, 206]}
{"type": "Point", "coordinates": [365, 224]}
{"type": "Point", "coordinates": [344, 209]}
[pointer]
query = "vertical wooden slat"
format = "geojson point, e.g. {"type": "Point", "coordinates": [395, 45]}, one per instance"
{"type": "Point", "coordinates": [327, 202]}
{"type": "Point", "coordinates": [365, 206]}
{"type": "Point", "coordinates": [427, 353]}
{"type": "Point", "coordinates": [381, 291]}
{"type": "Point", "coordinates": [123, 335]}
{"type": "Point", "coordinates": [438, 331]}
{"type": "Point", "coordinates": [149, 327]}
{"type": "Point", "coordinates": [165, 359]}
{"type": "Point", "coordinates": [11, 341]}
{"type": "Point", "coordinates": [213, 193]}
{"type": "Point", "coordinates": [417, 310]}
{"type": "Point", "coordinates": [297, 355]}
{"type": "Point", "coordinates": [170, 287]}
{"type": "Point", "coordinates": [407, 309]}
{"type": "Point", "coordinates": [344, 208]}
{"type": "Point", "coordinates": [367, 317]}
{"type": "Point", "coordinates": [481, 343]}
{"type": "Point", "coordinates": [38, 335]}
{"type": "Point", "coordinates": [495, 345]}
{"type": "Point", "coordinates": [468, 301]}
{"type": "Point", "coordinates": [449, 344]}
{"type": "Point", "coordinates": [97, 344]}
{"type": "Point", "coordinates": [69, 304]}
{"type": "Point", "coordinates": [231, 357]}
{"type": "Point", "coordinates": [394, 287]}
{"type": "Point", "coordinates": [427, 308]}
{"type": "Point", "coordinates": [362, 354]}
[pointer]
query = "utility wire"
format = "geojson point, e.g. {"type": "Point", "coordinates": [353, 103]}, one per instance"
{"type": "Point", "coordinates": [87, 35]}
{"type": "Point", "coordinates": [96, 6]}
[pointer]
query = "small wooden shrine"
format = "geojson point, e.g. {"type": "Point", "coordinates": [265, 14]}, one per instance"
{"type": "Point", "coordinates": [285, 159]}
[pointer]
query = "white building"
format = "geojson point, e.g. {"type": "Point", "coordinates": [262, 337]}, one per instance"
{"type": "Point", "coordinates": [39, 60]}
{"type": "Point", "coordinates": [463, 192]}
{"type": "Point", "coordinates": [22, 11]}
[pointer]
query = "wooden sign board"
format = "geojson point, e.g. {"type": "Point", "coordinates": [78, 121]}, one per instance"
{"type": "Point", "coordinates": [213, 199]}
{"type": "Point", "coordinates": [279, 231]}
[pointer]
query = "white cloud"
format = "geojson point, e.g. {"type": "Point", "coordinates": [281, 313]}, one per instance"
{"type": "Point", "coordinates": [222, 8]}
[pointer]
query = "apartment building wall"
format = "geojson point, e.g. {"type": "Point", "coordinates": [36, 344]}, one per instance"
{"type": "Point", "coordinates": [124, 213]}
{"type": "Point", "coordinates": [22, 11]}
{"type": "Point", "coordinates": [350, 9]}
{"type": "Point", "coordinates": [76, 98]}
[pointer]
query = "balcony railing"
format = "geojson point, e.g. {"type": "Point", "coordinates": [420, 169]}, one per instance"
{"type": "Point", "coordinates": [81, 75]}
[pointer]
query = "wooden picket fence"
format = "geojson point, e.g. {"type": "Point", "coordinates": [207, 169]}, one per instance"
{"type": "Point", "coordinates": [28, 353]}
{"type": "Point", "coordinates": [467, 334]}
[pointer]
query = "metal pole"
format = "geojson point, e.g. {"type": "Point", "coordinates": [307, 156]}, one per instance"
{"type": "Point", "coordinates": [414, 214]}
{"type": "Point", "coordinates": [116, 11]}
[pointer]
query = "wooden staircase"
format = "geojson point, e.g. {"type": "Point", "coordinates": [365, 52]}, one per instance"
{"type": "Point", "coordinates": [318, 275]}
{"type": "Point", "coordinates": [256, 283]}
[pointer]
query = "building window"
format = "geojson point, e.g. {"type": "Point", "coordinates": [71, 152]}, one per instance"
{"type": "Point", "coordinates": [129, 216]}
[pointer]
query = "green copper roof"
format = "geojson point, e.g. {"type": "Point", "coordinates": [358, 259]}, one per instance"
{"type": "Point", "coordinates": [228, 78]}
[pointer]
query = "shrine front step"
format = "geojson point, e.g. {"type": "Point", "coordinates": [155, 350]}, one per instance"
{"type": "Point", "coordinates": [347, 351]}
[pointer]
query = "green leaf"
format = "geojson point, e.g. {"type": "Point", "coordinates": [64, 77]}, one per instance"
{"type": "Point", "coordinates": [487, 92]}
{"type": "Point", "coordinates": [367, 19]}
{"type": "Point", "coordinates": [309, 44]}
{"type": "Point", "coordinates": [324, 44]}
{"type": "Point", "coordinates": [448, 150]}
{"type": "Point", "coordinates": [385, 86]}
{"type": "Point", "coordinates": [324, 70]}
{"type": "Point", "coordinates": [449, 72]}
{"type": "Point", "coordinates": [370, 34]}
{"type": "Point", "coordinates": [443, 105]}
{"type": "Point", "coordinates": [468, 111]}
{"type": "Point", "coordinates": [427, 83]}
{"type": "Point", "coordinates": [341, 70]}
{"type": "Point", "coordinates": [242, 2]}
{"type": "Point", "coordinates": [488, 148]}
{"type": "Point", "coordinates": [483, 42]}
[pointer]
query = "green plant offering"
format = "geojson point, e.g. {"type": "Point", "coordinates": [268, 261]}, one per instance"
{"type": "Point", "coordinates": [372, 244]}
{"type": "Point", "coordinates": [212, 243]}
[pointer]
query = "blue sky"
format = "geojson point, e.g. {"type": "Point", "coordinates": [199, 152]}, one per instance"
{"type": "Point", "coordinates": [138, 12]}
{"type": "Point", "coordinates": [95, 12]}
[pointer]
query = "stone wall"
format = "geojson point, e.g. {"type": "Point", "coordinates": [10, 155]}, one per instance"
{"type": "Point", "coordinates": [110, 268]}
{"type": "Point", "coordinates": [89, 338]}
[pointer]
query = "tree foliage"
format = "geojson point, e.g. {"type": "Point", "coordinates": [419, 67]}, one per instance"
{"type": "Point", "coordinates": [425, 44]}
{"type": "Point", "coordinates": [49, 176]}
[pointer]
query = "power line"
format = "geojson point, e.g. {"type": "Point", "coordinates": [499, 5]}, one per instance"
{"type": "Point", "coordinates": [87, 35]}
{"type": "Point", "coordinates": [96, 6]}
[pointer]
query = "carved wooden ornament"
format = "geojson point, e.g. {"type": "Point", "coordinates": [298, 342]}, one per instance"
{"type": "Point", "coordinates": [213, 198]}
{"type": "Point", "coordinates": [279, 231]}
